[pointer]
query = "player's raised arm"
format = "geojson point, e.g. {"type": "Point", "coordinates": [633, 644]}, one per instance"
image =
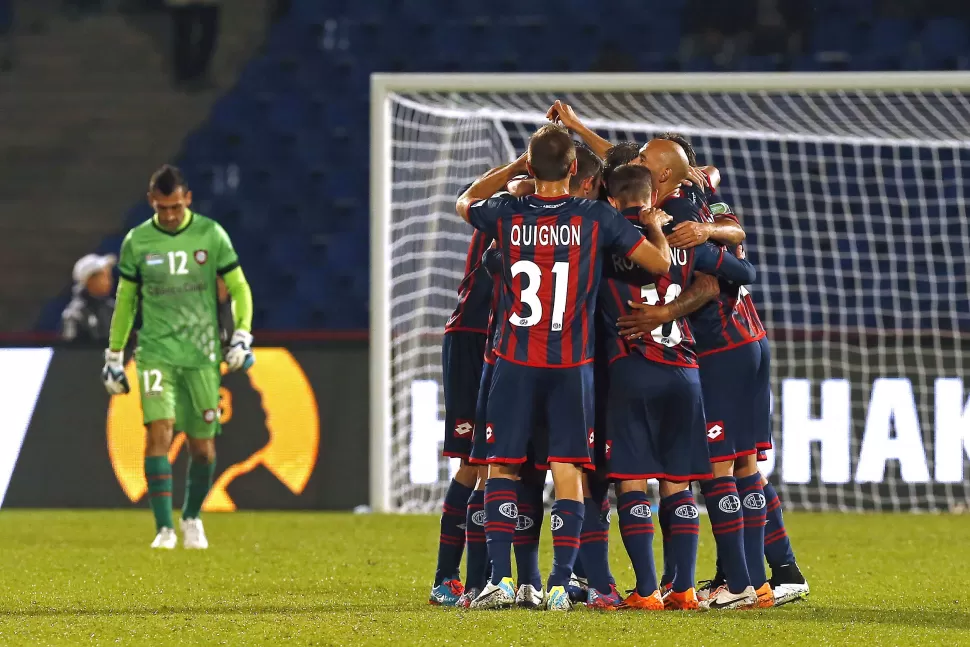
{"type": "Point", "coordinates": [654, 254]}
{"type": "Point", "coordinates": [488, 185]}
{"type": "Point", "coordinates": [563, 113]}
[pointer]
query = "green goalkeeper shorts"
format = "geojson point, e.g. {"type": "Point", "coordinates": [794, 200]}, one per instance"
{"type": "Point", "coordinates": [190, 396]}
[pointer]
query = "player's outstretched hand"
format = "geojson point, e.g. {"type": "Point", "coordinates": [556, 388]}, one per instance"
{"type": "Point", "coordinates": [240, 353]}
{"type": "Point", "coordinates": [563, 113]}
{"type": "Point", "coordinates": [689, 234]}
{"type": "Point", "coordinates": [654, 216]}
{"type": "Point", "coordinates": [113, 373]}
{"type": "Point", "coordinates": [642, 320]}
{"type": "Point", "coordinates": [695, 176]}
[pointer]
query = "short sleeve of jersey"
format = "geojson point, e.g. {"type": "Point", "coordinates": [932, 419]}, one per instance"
{"type": "Point", "coordinates": [226, 258]}
{"type": "Point", "coordinates": [622, 236]}
{"type": "Point", "coordinates": [485, 214]}
{"type": "Point", "coordinates": [127, 261]}
{"type": "Point", "coordinates": [723, 210]}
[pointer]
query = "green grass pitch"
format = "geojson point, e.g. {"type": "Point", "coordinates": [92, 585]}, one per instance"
{"type": "Point", "coordinates": [89, 578]}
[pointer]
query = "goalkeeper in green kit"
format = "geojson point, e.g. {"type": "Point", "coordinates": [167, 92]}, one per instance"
{"type": "Point", "coordinates": [170, 263]}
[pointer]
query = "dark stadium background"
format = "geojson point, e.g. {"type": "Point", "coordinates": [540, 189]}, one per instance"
{"type": "Point", "coordinates": [274, 141]}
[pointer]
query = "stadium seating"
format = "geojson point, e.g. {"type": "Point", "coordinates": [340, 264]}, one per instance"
{"type": "Point", "coordinates": [282, 161]}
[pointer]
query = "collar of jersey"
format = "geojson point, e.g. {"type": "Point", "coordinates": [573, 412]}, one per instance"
{"type": "Point", "coordinates": [185, 224]}
{"type": "Point", "coordinates": [550, 198]}
{"type": "Point", "coordinates": [632, 213]}
{"type": "Point", "coordinates": [676, 193]}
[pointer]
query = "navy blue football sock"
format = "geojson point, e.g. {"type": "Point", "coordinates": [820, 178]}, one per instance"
{"type": "Point", "coordinates": [605, 516]}
{"type": "Point", "coordinates": [567, 522]}
{"type": "Point", "coordinates": [578, 569]}
{"type": "Point", "coordinates": [636, 528]}
{"type": "Point", "coordinates": [777, 545]}
{"type": "Point", "coordinates": [664, 513]}
{"type": "Point", "coordinates": [727, 523]}
{"type": "Point", "coordinates": [452, 539]}
{"type": "Point", "coordinates": [593, 546]}
{"type": "Point", "coordinates": [753, 509]}
{"type": "Point", "coordinates": [684, 524]}
{"type": "Point", "coordinates": [477, 561]}
{"type": "Point", "coordinates": [527, 529]}
{"type": "Point", "coordinates": [599, 491]}
{"type": "Point", "coordinates": [501, 514]}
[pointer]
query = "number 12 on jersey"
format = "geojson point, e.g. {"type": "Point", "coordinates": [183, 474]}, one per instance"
{"type": "Point", "coordinates": [530, 293]}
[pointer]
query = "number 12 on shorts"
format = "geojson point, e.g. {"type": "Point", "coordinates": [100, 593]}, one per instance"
{"type": "Point", "coordinates": [152, 380]}
{"type": "Point", "coordinates": [530, 293]}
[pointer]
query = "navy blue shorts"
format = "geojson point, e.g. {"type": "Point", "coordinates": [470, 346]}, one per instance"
{"type": "Point", "coordinates": [538, 451]}
{"type": "Point", "coordinates": [462, 357]}
{"type": "Point", "coordinates": [737, 400]}
{"type": "Point", "coordinates": [655, 427]}
{"type": "Point", "coordinates": [524, 401]}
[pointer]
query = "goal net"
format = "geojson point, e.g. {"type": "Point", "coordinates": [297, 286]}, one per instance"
{"type": "Point", "coordinates": [852, 190]}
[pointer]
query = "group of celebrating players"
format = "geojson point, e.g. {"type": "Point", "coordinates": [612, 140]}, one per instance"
{"type": "Point", "coordinates": [604, 333]}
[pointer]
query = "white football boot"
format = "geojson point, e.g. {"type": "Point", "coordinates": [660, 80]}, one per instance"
{"type": "Point", "coordinates": [193, 534]}
{"type": "Point", "coordinates": [528, 597]}
{"type": "Point", "coordinates": [723, 599]}
{"type": "Point", "coordinates": [166, 538]}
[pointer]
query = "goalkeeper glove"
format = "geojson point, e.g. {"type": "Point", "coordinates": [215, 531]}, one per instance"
{"type": "Point", "coordinates": [113, 373]}
{"type": "Point", "coordinates": [240, 353]}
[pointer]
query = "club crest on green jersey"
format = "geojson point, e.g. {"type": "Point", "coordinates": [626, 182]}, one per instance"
{"type": "Point", "coordinates": [201, 256]}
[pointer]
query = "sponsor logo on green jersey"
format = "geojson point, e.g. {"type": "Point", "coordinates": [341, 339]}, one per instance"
{"type": "Point", "coordinates": [154, 259]}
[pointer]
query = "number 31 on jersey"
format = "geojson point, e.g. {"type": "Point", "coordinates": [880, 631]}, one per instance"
{"type": "Point", "coordinates": [530, 293]}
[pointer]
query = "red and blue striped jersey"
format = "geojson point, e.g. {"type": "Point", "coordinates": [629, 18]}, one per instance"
{"type": "Point", "coordinates": [624, 281]}
{"type": "Point", "coordinates": [492, 260]}
{"type": "Point", "coordinates": [730, 319]}
{"type": "Point", "coordinates": [552, 254]}
{"type": "Point", "coordinates": [474, 291]}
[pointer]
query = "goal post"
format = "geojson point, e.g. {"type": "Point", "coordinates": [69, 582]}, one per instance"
{"type": "Point", "coordinates": [853, 190]}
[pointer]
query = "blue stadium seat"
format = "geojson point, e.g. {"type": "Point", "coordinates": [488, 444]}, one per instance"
{"type": "Point", "coordinates": [942, 42]}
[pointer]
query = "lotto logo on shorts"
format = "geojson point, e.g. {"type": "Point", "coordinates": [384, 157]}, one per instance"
{"type": "Point", "coordinates": [754, 501]}
{"type": "Point", "coordinates": [609, 448]}
{"type": "Point", "coordinates": [509, 510]}
{"type": "Point", "coordinates": [729, 504]}
{"type": "Point", "coordinates": [715, 431]}
{"type": "Point", "coordinates": [591, 438]}
{"type": "Point", "coordinates": [489, 434]}
{"type": "Point", "coordinates": [463, 428]}
{"type": "Point", "coordinates": [641, 510]}
{"type": "Point", "coordinates": [557, 522]}
{"type": "Point", "coordinates": [524, 522]}
{"type": "Point", "coordinates": [201, 256]}
{"type": "Point", "coordinates": [209, 415]}
{"type": "Point", "coordinates": [479, 518]}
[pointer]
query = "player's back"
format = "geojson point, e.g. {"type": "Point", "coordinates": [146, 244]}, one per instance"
{"type": "Point", "coordinates": [475, 290]}
{"type": "Point", "coordinates": [730, 319]}
{"type": "Point", "coordinates": [176, 272]}
{"type": "Point", "coordinates": [624, 281]}
{"type": "Point", "coordinates": [552, 254]}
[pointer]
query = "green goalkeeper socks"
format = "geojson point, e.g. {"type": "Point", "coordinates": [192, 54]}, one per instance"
{"type": "Point", "coordinates": [158, 473]}
{"type": "Point", "coordinates": [198, 482]}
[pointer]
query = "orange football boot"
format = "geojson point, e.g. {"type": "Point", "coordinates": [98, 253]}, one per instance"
{"type": "Point", "coordinates": [766, 597]}
{"type": "Point", "coordinates": [652, 602]}
{"type": "Point", "coordinates": [684, 601]}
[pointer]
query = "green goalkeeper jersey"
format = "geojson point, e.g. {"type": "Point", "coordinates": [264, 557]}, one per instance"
{"type": "Point", "coordinates": [176, 274]}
